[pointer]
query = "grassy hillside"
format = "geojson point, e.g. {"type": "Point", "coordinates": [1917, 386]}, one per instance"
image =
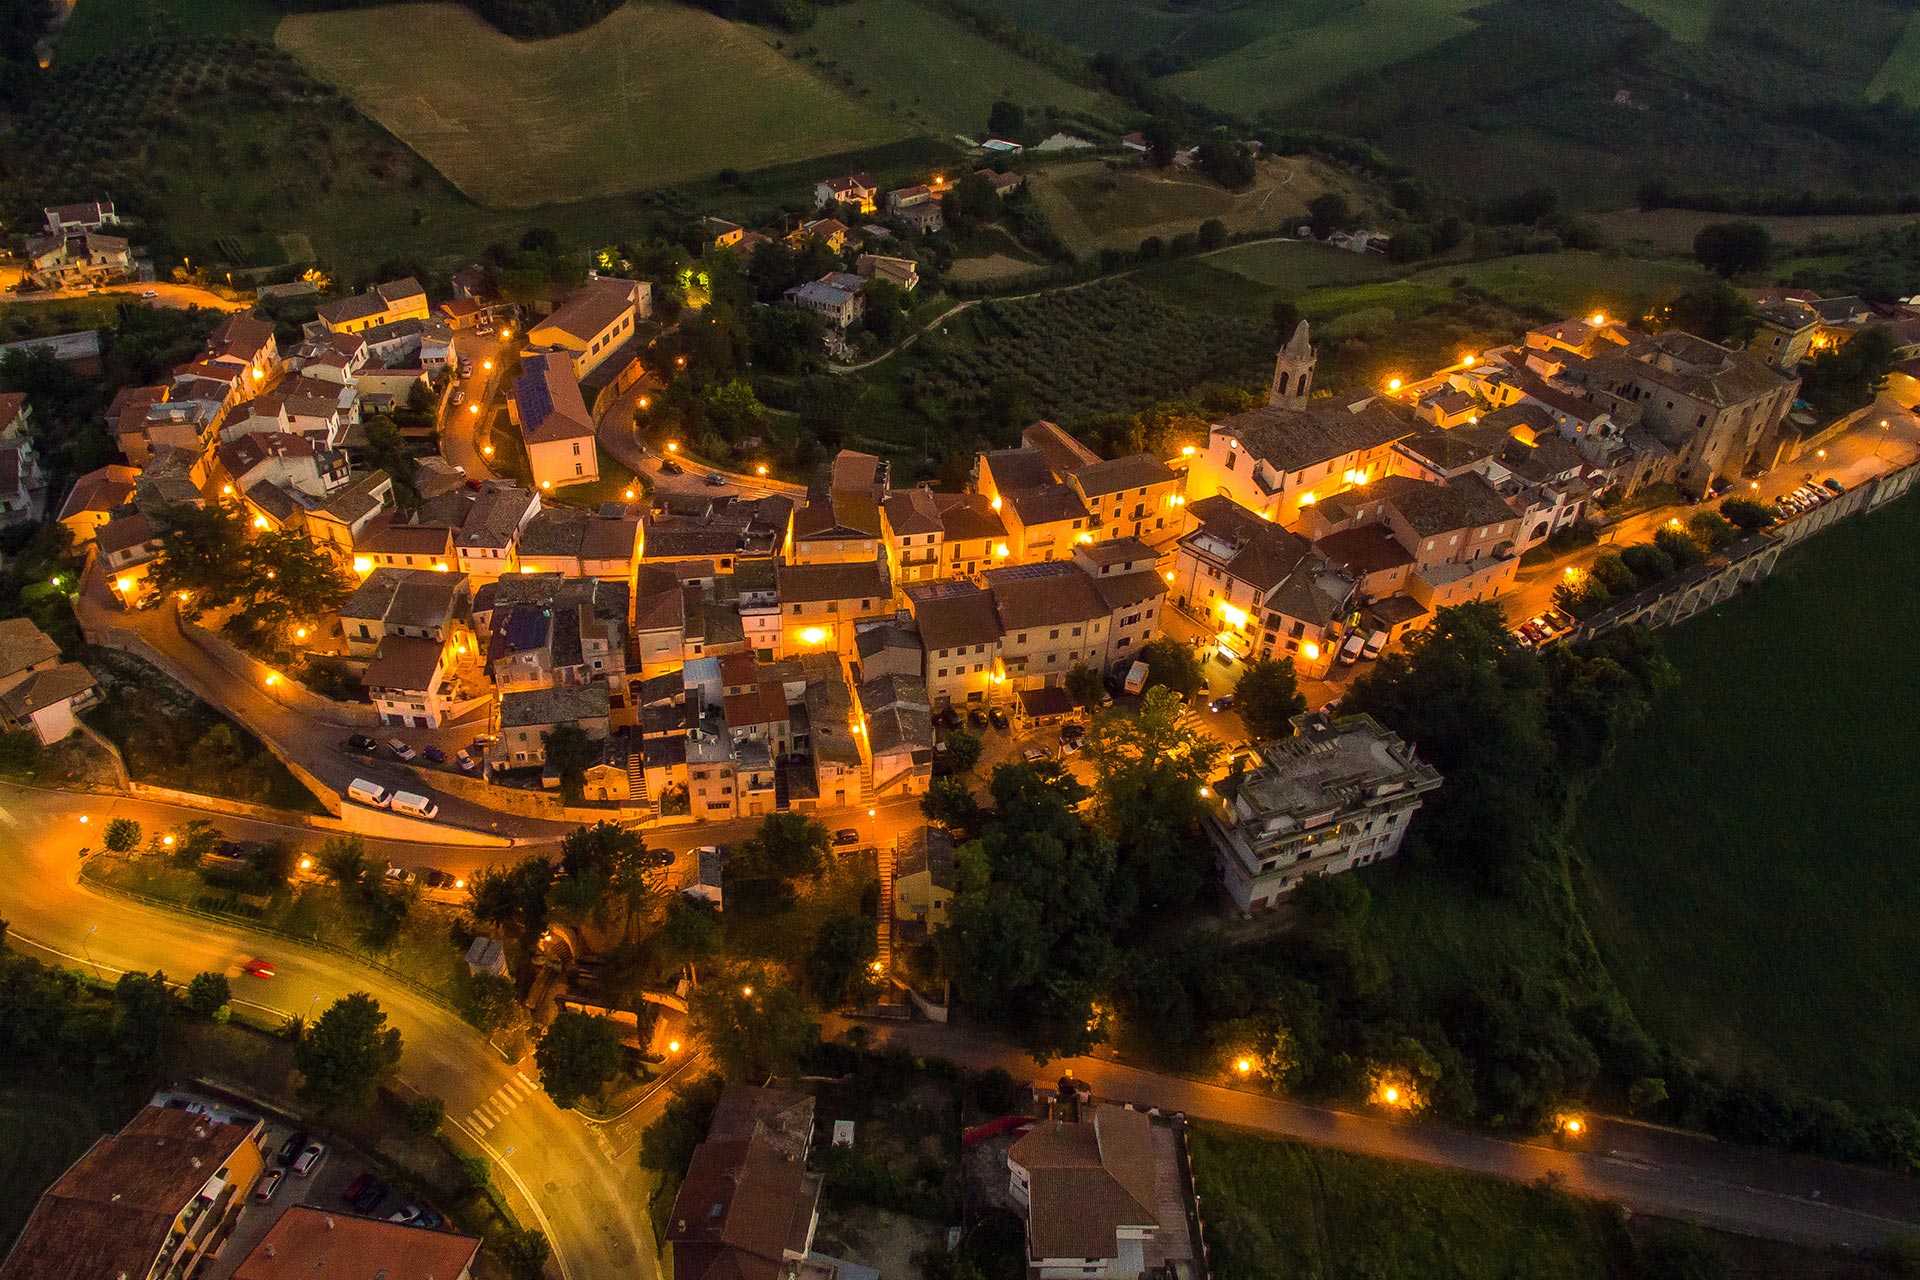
{"type": "Point", "coordinates": [99, 26]}
{"type": "Point", "coordinates": [931, 72]}
{"type": "Point", "coordinates": [1294, 61]}
{"type": "Point", "coordinates": [1277, 1210]}
{"type": "Point", "coordinates": [656, 94]}
{"type": "Point", "coordinates": [1749, 855]}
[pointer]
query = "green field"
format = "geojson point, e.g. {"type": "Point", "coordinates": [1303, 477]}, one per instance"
{"type": "Point", "coordinates": [1749, 855]}
{"type": "Point", "coordinates": [1295, 62]}
{"type": "Point", "coordinates": [1094, 205]}
{"type": "Point", "coordinates": [1683, 19]}
{"type": "Point", "coordinates": [99, 25]}
{"type": "Point", "coordinates": [1279, 1210]}
{"type": "Point", "coordinates": [41, 1133]}
{"type": "Point", "coordinates": [1135, 27]}
{"type": "Point", "coordinates": [1572, 284]}
{"type": "Point", "coordinates": [657, 93]}
{"type": "Point", "coordinates": [932, 72]}
{"type": "Point", "coordinates": [1901, 72]}
{"type": "Point", "coordinates": [1293, 265]}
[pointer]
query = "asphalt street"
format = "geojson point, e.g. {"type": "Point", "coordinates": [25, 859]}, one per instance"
{"type": "Point", "coordinates": [578, 1184]}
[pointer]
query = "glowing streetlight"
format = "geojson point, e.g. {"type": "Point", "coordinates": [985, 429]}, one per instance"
{"type": "Point", "coordinates": [680, 362]}
{"type": "Point", "coordinates": [487, 449]}
{"type": "Point", "coordinates": [873, 813]}
{"type": "Point", "coordinates": [260, 522]}
{"type": "Point", "coordinates": [227, 490]}
{"type": "Point", "coordinates": [673, 446]}
{"type": "Point", "coordinates": [273, 678]}
{"type": "Point", "coordinates": [1393, 384]}
{"type": "Point", "coordinates": [673, 1046]}
{"type": "Point", "coordinates": [644, 402]}
{"type": "Point", "coordinates": [306, 864]}
{"type": "Point", "coordinates": [1468, 359]}
{"type": "Point", "coordinates": [629, 495]}
{"type": "Point", "coordinates": [1000, 550]}
{"type": "Point", "coordinates": [546, 484]}
{"type": "Point", "coordinates": [1206, 793]}
{"type": "Point", "coordinates": [1186, 451]}
{"type": "Point", "coordinates": [747, 992]}
{"type": "Point", "coordinates": [363, 564]}
{"type": "Point", "coordinates": [1169, 575]}
{"type": "Point", "coordinates": [125, 585]}
{"type": "Point", "coordinates": [1244, 1066]}
{"type": "Point", "coordinates": [1598, 318]}
{"type": "Point", "coordinates": [1309, 651]}
{"type": "Point", "coordinates": [760, 470]}
{"type": "Point", "coordinates": [57, 579]}
{"type": "Point", "coordinates": [486, 364]}
{"type": "Point", "coordinates": [473, 408]}
{"type": "Point", "coordinates": [299, 633]}
{"type": "Point", "coordinates": [84, 819]}
{"type": "Point", "coordinates": [167, 840]}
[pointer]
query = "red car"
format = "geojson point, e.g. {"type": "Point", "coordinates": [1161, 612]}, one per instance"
{"type": "Point", "coordinates": [258, 968]}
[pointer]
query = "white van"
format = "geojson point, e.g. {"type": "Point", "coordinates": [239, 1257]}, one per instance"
{"type": "Point", "coordinates": [369, 793]}
{"type": "Point", "coordinates": [1351, 649]}
{"type": "Point", "coordinates": [1375, 643]}
{"type": "Point", "coordinates": [418, 806]}
{"type": "Point", "coordinates": [1136, 677]}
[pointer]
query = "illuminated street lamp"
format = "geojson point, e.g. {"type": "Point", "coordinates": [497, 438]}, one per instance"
{"type": "Point", "coordinates": [487, 449]}
{"type": "Point", "coordinates": [673, 1046]}
{"type": "Point", "coordinates": [747, 992]}
{"type": "Point", "coordinates": [761, 469]}
{"type": "Point", "coordinates": [1244, 1066]}
{"type": "Point", "coordinates": [673, 446]}
{"type": "Point", "coordinates": [680, 362]}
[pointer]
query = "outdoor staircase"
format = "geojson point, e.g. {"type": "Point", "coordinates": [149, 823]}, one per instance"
{"type": "Point", "coordinates": [782, 798]}
{"type": "Point", "coordinates": [637, 779]}
{"type": "Point", "coordinates": [892, 1000]}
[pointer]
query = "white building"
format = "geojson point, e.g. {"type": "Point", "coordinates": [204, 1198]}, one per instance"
{"type": "Point", "coordinates": [1336, 796]}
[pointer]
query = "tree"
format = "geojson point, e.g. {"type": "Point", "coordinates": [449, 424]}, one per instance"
{"type": "Point", "coordinates": [666, 1145]}
{"type": "Point", "coordinates": [1084, 686]}
{"type": "Point", "coordinates": [752, 1026]}
{"type": "Point", "coordinates": [203, 553]}
{"type": "Point", "coordinates": [523, 1252]}
{"type": "Point", "coordinates": [208, 993]}
{"type": "Point", "coordinates": [1731, 249]}
{"type": "Point", "coordinates": [1150, 768]}
{"type": "Point", "coordinates": [122, 835]}
{"type": "Point", "coordinates": [1714, 310]}
{"type": "Point", "coordinates": [949, 803]}
{"type": "Point", "coordinates": [1679, 547]}
{"type": "Point", "coordinates": [346, 1053]}
{"type": "Point", "coordinates": [1328, 213]}
{"type": "Point", "coordinates": [1286, 319]}
{"type": "Point", "coordinates": [512, 900]}
{"type": "Point", "coordinates": [143, 1010]}
{"type": "Point", "coordinates": [425, 1114]}
{"type": "Point", "coordinates": [1712, 531]}
{"type": "Point", "coordinates": [1006, 120]}
{"type": "Point", "coordinates": [578, 1056]}
{"type": "Point", "coordinates": [1268, 697]}
{"type": "Point", "coordinates": [787, 846]}
{"type": "Point", "coordinates": [1746, 515]}
{"type": "Point", "coordinates": [491, 1001]}
{"type": "Point", "coordinates": [1213, 234]}
{"type": "Point", "coordinates": [1163, 139]}
{"type": "Point", "coordinates": [963, 750]}
{"type": "Point", "coordinates": [838, 967]}
{"type": "Point", "coordinates": [569, 753]}
{"type": "Point", "coordinates": [885, 318]}
{"type": "Point", "coordinates": [1227, 162]}
{"type": "Point", "coordinates": [344, 860]}
{"type": "Point", "coordinates": [1851, 375]}
{"type": "Point", "coordinates": [1173, 664]}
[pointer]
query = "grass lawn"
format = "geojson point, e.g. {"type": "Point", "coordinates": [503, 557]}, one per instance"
{"type": "Point", "coordinates": [657, 93]}
{"type": "Point", "coordinates": [931, 71]}
{"type": "Point", "coordinates": [764, 921]}
{"type": "Point", "coordinates": [42, 1131]}
{"type": "Point", "coordinates": [98, 25]}
{"type": "Point", "coordinates": [1278, 1210]}
{"type": "Point", "coordinates": [1292, 266]}
{"type": "Point", "coordinates": [1297, 61]}
{"type": "Point", "coordinates": [1094, 205]}
{"type": "Point", "coordinates": [1748, 856]}
{"type": "Point", "coordinates": [614, 484]}
{"type": "Point", "coordinates": [21, 320]}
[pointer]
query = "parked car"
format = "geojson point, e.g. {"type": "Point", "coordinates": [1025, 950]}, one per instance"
{"type": "Point", "coordinates": [464, 760]}
{"type": "Point", "coordinates": [435, 878]}
{"type": "Point", "coordinates": [1073, 729]}
{"type": "Point", "coordinates": [715, 479]}
{"type": "Point", "coordinates": [466, 366]}
{"type": "Point", "coordinates": [999, 720]}
{"type": "Point", "coordinates": [1833, 486]}
{"type": "Point", "coordinates": [311, 1157]}
{"type": "Point", "coordinates": [1069, 745]}
{"type": "Point", "coordinates": [459, 397]}
{"type": "Point", "coordinates": [976, 717]}
{"type": "Point", "coordinates": [150, 294]}
{"type": "Point", "coordinates": [668, 467]}
{"type": "Point", "coordinates": [291, 1147]}
{"type": "Point", "coordinates": [268, 1184]}
{"type": "Point", "coordinates": [845, 837]}
{"type": "Point", "coordinates": [1033, 755]}
{"type": "Point", "coordinates": [401, 749]}
{"type": "Point", "coordinates": [364, 1193]}
{"type": "Point", "coordinates": [1222, 703]}
{"type": "Point", "coordinates": [434, 754]}
{"type": "Point", "coordinates": [359, 743]}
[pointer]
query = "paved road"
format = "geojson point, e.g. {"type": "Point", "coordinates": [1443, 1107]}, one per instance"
{"type": "Point", "coordinates": [1652, 1171]}
{"type": "Point", "coordinates": [166, 294]}
{"type": "Point", "coordinates": [1865, 451]}
{"type": "Point", "coordinates": [586, 1194]}
{"type": "Point", "coordinates": [314, 744]}
{"type": "Point", "coordinates": [618, 437]}
{"type": "Point", "coordinates": [483, 387]}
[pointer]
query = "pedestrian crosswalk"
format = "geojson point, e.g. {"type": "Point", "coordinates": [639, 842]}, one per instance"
{"type": "Point", "coordinates": [502, 1102]}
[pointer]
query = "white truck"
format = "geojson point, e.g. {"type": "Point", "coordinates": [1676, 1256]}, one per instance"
{"type": "Point", "coordinates": [369, 793]}
{"type": "Point", "coordinates": [1136, 677]}
{"type": "Point", "coordinates": [1351, 649]}
{"type": "Point", "coordinates": [416, 806]}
